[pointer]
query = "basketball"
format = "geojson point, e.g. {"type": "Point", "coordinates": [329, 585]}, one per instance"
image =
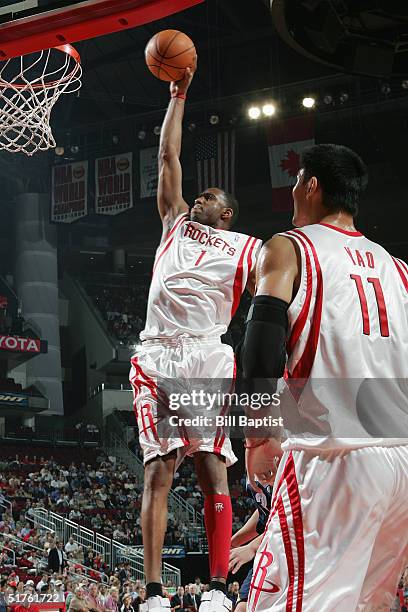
{"type": "Point", "coordinates": [168, 53]}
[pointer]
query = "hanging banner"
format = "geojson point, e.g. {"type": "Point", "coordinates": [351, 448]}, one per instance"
{"type": "Point", "coordinates": [69, 197]}
{"type": "Point", "coordinates": [148, 172]}
{"type": "Point", "coordinates": [113, 184]}
{"type": "Point", "coordinates": [286, 140]}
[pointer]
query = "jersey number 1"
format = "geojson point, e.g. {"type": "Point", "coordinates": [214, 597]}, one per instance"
{"type": "Point", "coordinates": [381, 307]}
{"type": "Point", "coordinates": [200, 257]}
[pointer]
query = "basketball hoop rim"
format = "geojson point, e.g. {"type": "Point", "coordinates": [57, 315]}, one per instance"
{"type": "Point", "coordinates": [68, 50]}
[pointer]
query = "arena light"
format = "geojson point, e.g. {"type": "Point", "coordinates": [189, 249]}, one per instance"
{"type": "Point", "coordinates": [268, 109]}
{"type": "Point", "coordinates": [254, 112]}
{"type": "Point", "coordinates": [157, 130]}
{"type": "Point", "coordinates": [141, 135]}
{"type": "Point", "coordinates": [59, 151]}
{"type": "Point", "coordinates": [309, 102]}
{"type": "Point", "coordinates": [214, 119]}
{"type": "Point", "coordinates": [328, 99]}
{"type": "Point", "coordinates": [404, 84]}
{"type": "Point", "coordinates": [386, 89]}
{"type": "Point", "coordinates": [343, 97]}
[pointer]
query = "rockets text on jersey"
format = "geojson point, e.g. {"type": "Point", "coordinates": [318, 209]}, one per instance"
{"type": "Point", "coordinates": [198, 278]}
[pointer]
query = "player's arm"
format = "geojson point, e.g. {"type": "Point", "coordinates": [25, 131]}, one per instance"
{"type": "Point", "coordinates": [169, 191]}
{"type": "Point", "coordinates": [251, 282]}
{"type": "Point", "coordinates": [263, 351]}
{"type": "Point", "coordinates": [243, 554]}
{"type": "Point", "coordinates": [247, 532]}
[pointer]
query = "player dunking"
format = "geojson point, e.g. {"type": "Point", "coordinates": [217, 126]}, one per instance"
{"type": "Point", "coordinates": [200, 272]}
{"type": "Point", "coordinates": [336, 534]}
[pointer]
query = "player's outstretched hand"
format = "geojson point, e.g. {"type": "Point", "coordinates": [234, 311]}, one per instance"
{"type": "Point", "coordinates": [180, 87]}
{"type": "Point", "coordinates": [262, 462]}
{"type": "Point", "coordinates": [239, 556]}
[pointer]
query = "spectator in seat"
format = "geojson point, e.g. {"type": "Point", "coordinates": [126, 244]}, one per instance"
{"type": "Point", "coordinates": [127, 605]}
{"type": "Point", "coordinates": [192, 600]}
{"type": "Point", "coordinates": [3, 585]}
{"type": "Point", "coordinates": [93, 600]}
{"type": "Point", "coordinates": [77, 603]}
{"type": "Point", "coordinates": [43, 582]}
{"type": "Point", "coordinates": [141, 598]}
{"type": "Point", "coordinates": [71, 546]}
{"type": "Point", "coordinates": [176, 601]}
{"type": "Point", "coordinates": [233, 593]}
{"type": "Point", "coordinates": [112, 601]}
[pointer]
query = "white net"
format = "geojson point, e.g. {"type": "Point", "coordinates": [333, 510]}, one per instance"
{"type": "Point", "coordinates": [30, 85]}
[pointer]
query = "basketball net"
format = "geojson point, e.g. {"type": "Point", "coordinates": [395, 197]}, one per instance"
{"type": "Point", "coordinates": [29, 88]}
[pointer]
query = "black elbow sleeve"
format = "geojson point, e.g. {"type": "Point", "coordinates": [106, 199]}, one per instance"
{"type": "Point", "coordinates": [263, 351]}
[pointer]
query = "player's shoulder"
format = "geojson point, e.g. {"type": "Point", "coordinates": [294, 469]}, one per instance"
{"type": "Point", "coordinates": [241, 236]}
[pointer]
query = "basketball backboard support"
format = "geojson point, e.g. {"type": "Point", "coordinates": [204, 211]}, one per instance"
{"type": "Point", "coordinates": [27, 26]}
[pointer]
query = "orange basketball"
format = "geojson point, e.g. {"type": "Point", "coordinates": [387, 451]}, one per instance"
{"type": "Point", "coordinates": [169, 53]}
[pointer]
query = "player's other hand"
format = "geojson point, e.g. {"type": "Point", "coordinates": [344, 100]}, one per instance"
{"type": "Point", "coordinates": [180, 87]}
{"type": "Point", "coordinates": [262, 462]}
{"type": "Point", "coordinates": [239, 556]}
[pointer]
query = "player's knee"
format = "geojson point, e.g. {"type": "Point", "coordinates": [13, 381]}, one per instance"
{"type": "Point", "coordinates": [158, 478]}
{"type": "Point", "coordinates": [212, 474]}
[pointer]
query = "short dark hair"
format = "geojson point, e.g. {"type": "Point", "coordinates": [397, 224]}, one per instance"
{"type": "Point", "coordinates": [232, 202]}
{"type": "Point", "coordinates": [341, 173]}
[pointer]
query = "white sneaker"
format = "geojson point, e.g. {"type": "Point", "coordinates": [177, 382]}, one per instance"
{"type": "Point", "coordinates": [155, 603]}
{"type": "Point", "coordinates": [215, 601]}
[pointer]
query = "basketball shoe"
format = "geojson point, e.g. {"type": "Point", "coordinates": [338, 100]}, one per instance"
{"type": "Point", "coordinates": [215, 601]}
{"type": "Point", "coordinates": [155, 603]}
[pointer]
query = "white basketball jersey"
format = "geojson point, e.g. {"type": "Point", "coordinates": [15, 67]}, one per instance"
{"type": "Point", "coordinates": [198, 278]}
{"type": "Point", "coordinates": [348, 342]}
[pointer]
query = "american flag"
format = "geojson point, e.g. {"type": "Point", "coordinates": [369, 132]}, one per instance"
{"type": "Point", "coordinates": [215, 157]}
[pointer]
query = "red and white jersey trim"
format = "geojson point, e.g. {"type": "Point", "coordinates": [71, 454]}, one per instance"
{"type": "Point", "coordinates": [305, 311]}
{"type": "Point", "coordinates": [402, 268]}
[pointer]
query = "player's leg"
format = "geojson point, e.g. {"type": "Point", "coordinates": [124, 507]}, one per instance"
{"type": "Point", "coordinates": [212, 477]}
{"type": "Point", "coordinates": [159, 459]}
{"type": "Point", "coordinates": [244, 592]}
{"type": "Point", "coordinates": [158, 477]}
{"type": "Point", "coordinates": [389, 556]}
{"type": "Point", "coordinates": [326, 514]}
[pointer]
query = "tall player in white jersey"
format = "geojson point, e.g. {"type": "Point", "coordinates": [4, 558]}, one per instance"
{"type": "Point", "coordinates": [337, 303]}
{"type": "Point", "coordinates": [200, 271]}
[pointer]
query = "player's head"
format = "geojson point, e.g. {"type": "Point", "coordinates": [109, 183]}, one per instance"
{"type": "Point", "coordinates": [331, 179]}
{"type": "Point", "coordinates": [216, 208]}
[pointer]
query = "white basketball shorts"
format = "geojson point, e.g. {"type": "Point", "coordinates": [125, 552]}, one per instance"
{"type": "Point", "coordinates": [336, 539]}
{"type": "Point", "coordinates": [181, 360]}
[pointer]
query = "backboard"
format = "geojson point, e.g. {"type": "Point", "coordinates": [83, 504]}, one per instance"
{"type": "Point", "coordinates": [27, 26]}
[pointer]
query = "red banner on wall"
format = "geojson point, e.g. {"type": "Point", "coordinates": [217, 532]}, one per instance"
{"type": "Point", "coordinates": [69, 198]}
{"type": "Point", "coordinates": [113, 184]}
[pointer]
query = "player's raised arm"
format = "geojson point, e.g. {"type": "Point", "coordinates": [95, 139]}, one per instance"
{"type": "Point", "coordinates": [169, 193]}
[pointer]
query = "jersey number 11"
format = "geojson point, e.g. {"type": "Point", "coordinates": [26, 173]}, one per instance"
{"type": "Point", "coordinates": [381, 307]}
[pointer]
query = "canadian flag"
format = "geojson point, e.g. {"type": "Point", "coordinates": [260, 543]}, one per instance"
{"type": "Point", "coordinates": [286, 139]}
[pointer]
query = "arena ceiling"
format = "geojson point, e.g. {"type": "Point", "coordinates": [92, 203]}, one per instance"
{"type": "Point", "coordinates": [238, 51]}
